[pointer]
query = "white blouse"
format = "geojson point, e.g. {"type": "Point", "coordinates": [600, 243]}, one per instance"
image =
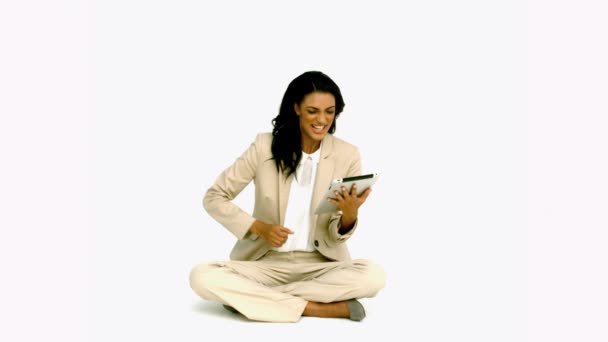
{"type": "Point", "coordinates": [298, 215]}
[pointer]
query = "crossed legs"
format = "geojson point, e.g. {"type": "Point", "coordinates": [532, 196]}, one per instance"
{"type": "Point", "coordinates": [280, 291]}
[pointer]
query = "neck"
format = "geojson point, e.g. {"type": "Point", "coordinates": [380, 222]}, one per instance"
{"type": "Point", "coordinates": [310, 147]}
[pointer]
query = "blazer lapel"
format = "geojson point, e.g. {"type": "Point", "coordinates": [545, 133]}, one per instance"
{"type": "Point", "coordinates": [284, 186]}
{"type": "Point", "coordinates": [325, 172]}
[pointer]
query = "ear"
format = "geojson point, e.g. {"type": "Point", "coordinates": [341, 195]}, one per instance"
{"type": "Point", "coordinates": [296, 108]}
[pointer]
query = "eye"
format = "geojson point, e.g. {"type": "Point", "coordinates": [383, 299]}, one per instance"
{"type": "Point", "coordinates": [311, 111]}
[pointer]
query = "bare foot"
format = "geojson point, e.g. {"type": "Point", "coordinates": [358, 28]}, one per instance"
{"type": "Point", "coordinates": [336, 309]}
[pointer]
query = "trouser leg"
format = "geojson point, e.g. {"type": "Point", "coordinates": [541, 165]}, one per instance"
{"type": "Point", "coordinates": [337, 281]}
{"type": "Point", "coordinates": [247, 286]}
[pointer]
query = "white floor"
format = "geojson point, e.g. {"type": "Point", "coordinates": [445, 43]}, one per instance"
{"type": "Point", "coordinates": [187, 318]}
{"type": "Point", "coordinates": [152, 301]}
{"type": "Point", "coordinates": [190, 319]}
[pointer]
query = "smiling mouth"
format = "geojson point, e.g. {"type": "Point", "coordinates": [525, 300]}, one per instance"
{"type": "Point", "coordinates": [318, 129]}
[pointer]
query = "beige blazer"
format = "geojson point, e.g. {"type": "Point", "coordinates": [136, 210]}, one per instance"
{"type": "Point", "coordinates": [338, 159]}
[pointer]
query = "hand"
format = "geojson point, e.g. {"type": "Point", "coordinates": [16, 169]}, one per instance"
{"type": "Point", "coordinates": [273, 234]}
{"type": "Point", "coordinates": [349, 202]}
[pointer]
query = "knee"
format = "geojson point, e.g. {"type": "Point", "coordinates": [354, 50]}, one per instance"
{"type": "Point", "coordinates": [201, 279]}
{"type": "Point", "coordinates": [375, 277]}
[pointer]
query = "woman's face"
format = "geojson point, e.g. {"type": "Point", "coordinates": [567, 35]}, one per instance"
{"type": "Point", "coordinates": [317, 112]}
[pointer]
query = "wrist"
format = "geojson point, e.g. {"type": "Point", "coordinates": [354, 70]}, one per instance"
{"type": "Point", "coordinates": [255, 227]}
{"type": "Point", "coordinates": [349, 217]}
{"type": "Point", "coordinates": [347, 222]}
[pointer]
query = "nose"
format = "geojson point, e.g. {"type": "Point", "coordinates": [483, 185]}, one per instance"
{"type": "Point", "coordinates": [323, 119]}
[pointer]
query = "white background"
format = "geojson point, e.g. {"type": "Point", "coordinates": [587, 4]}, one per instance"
{"type": "Point", "coordinates": [486, 119]}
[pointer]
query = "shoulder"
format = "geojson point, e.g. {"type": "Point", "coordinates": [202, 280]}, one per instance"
{"type": "Point", "coordinates": [263, 141]}
{"type": "Point", "coordinates": [343, 146]}
{"type": "Point", "coordinates": [262, 144]}
{"type": "Point", "coordinates": [263, 138]}
{"type": "Point", "coordinates": [346, 157]}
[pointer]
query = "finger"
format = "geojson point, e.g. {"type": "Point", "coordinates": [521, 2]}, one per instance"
{"type": "Point", "coordinates": [334, 201]}
{"type": "Point", "coordinates": [338, 195]}
{"type": "Point", "coordinates": [283, 235]}
{"type": "Point", "coordinates": [353, 190]}
{"type": "Point", "coordinates": [286, 230]}
{"type": "Point", "coordinates": [365, 194]}
{"type": "Point", "coordinates": [345, 193]}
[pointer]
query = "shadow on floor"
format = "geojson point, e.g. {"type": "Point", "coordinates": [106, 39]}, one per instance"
{"type": "Point", "coordinates": [217, 310]}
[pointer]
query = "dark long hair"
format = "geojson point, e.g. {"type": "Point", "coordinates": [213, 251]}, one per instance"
{"type": "Point", "coordinates": [287, 138]}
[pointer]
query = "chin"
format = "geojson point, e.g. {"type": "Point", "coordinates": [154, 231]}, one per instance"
{"type": "Point", "coordinates": [319, 137]}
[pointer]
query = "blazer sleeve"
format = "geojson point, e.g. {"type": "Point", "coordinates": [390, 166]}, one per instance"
{"type": "Point", "coordinates": [218, 198]}
{"type": "Point", "coordinates": [334, 222]}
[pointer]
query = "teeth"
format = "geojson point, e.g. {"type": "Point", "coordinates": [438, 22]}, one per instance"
{"type": "Point", "coordinates": [318, 127]}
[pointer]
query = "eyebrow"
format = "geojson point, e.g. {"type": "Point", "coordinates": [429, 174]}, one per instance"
{"type": "Point", "coordinates": [311, 107]}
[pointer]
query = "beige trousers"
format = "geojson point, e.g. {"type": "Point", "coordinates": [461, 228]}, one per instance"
{"type": "Point", "coordinates": [277, 287]}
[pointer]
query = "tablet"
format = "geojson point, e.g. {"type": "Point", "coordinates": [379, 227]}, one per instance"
{"type": "Point", "coordinates": [363, 182]}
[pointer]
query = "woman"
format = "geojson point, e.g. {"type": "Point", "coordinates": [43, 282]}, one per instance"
{"type": "Point", "coordinates": [289, 262]}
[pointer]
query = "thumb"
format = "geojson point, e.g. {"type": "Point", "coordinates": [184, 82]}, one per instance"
{"type": "Point", "coordinates": [287, 230]}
